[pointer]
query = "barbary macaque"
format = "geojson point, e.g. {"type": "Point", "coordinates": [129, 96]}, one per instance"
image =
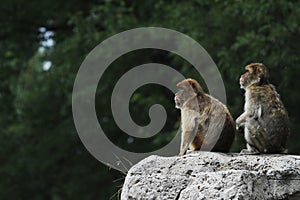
{"type": "Point", "coordinates": [203, 116]}
{"type": "Point", "coordinates": [265, 120]}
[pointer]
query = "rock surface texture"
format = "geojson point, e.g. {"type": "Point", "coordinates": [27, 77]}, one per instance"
{"type": "Point", "coordinates": [209, 175]}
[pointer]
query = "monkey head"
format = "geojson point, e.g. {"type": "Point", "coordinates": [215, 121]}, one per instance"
{"type": "Point", "coordinates": [187, 89]}
{"type": "Point", "coordinates": [256, 73]}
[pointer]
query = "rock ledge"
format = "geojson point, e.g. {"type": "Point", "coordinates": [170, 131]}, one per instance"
{"type": "Point", "coordinates": [209, 175]}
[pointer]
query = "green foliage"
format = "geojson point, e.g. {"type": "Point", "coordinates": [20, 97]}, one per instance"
{"type": "Point", "coordinates": [41, 156]}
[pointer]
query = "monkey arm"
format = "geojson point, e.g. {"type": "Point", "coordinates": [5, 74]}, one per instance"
{"type": "Point", "coordinates": [186, 139]}
{"type": "Point", "coordinates": [189, 128]}
{"type": "Point", "coordinates": [252, 114]}
{"type": "Point", "coordinates": [241, 120]}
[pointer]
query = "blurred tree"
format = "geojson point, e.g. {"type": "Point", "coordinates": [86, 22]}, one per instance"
{"type": "Point", "coordinates": [42, 44]}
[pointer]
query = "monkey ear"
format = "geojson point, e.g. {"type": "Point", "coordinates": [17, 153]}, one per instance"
{"type": "Point", "coordinates": [249, 68]}
{"type": "Point", "coordinates": [260, 71]}
{"type": "Point", "coordinates": [196, 86]}
{"type": "Point", "coordinates": [263, 73]}
{"type": "Point", "coordinates": [192, 83]}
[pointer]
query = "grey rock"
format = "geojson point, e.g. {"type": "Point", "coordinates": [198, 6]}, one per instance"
{"type": "Point", "coordinates": [209, 175]}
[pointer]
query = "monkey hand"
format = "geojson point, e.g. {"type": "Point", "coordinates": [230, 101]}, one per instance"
{"type": "Point", "coordinates": [240, 129]}
{"type": "Point", "coordinates": [182, 153]}
{"type": "Point", "coordinates": [239, 126]}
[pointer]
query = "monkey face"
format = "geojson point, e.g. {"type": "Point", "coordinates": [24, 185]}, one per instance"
{"type": "Point", "coordinates": [246, 80]}
{"type": "Point", "coordinates": [180, 98]}
{"type": "Point", "coordinates": [256, 74]}
{"type": "Point", "coordinates": [187, 89]}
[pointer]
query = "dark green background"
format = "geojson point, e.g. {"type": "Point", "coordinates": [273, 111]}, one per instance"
{"type": "Point", "coordinates": [41, 156]}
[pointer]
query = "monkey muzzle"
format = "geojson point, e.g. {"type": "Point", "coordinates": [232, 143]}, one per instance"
{"type": "Point", "coordinates": [177, 102]}
{"type": "Point", "coordinates": [242, 81]}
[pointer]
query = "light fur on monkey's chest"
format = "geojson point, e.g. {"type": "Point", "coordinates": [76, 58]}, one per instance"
{"type": "Point", "coordinates": [189, 119]}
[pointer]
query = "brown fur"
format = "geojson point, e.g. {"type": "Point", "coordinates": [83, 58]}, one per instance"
{"type": "Point", "coordinates": [265, 120]}
{"type": "Point", "coordinates": [197, 110]}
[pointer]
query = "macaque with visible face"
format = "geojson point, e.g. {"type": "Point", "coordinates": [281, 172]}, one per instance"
{"type": "Point", "coordinates": [199, 111]}
{"type": "Point", "coordinates": [265, 120]}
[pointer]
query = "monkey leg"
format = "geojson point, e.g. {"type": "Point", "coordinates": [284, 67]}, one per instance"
{"type": "Point", "coordinates": [255, 138]}
{"type": "Point", "coordinates": [189, 129]}
{"type": "Point", "coordinates": [186, 140]}
{"type": "Point", "coordinates": [197, 142]}
{"type": "Point", "coordinates": [183, 149]}
{"type": "Point", "coordinates": [277, 140]}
